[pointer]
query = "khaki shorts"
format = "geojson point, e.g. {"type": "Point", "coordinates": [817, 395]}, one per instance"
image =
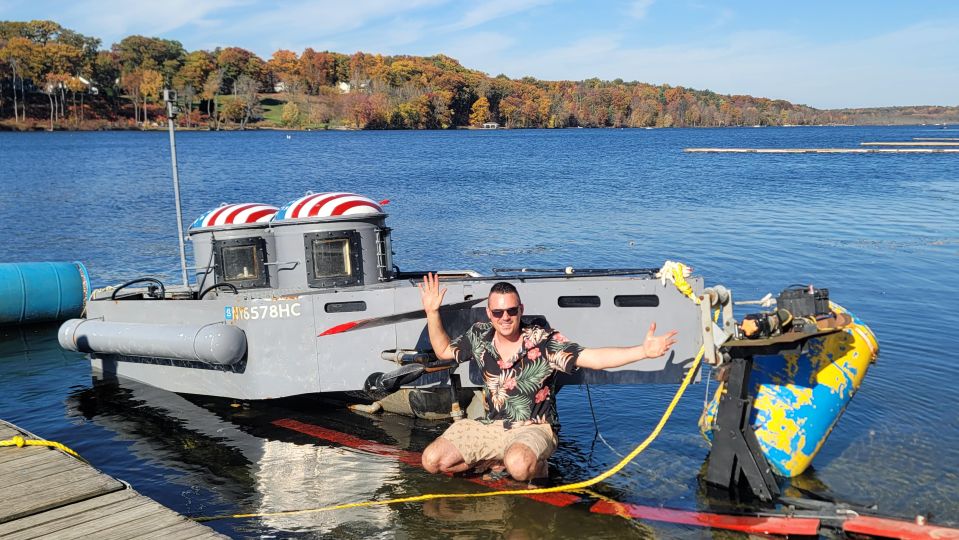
{"type": "Point", "coordinates": [478, 442]}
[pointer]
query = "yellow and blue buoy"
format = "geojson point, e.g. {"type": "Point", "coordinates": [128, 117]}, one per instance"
{"type": "Point", "coordinates": [798, 398]}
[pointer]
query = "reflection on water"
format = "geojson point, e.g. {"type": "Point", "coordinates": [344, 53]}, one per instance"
{"type": "Point", "coordinates": [880, 232]}
{"type": "Point", "coordinates": [236, 460]}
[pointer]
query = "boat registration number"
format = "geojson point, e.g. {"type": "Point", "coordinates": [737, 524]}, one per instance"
{"type": "Point", "coordinates": [253, 313]}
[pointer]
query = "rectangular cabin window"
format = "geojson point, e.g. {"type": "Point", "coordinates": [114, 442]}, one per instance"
{"type": "Point", "coordinates": [333, 259]}
{"type": "Point", "coordinates": [241, 262]}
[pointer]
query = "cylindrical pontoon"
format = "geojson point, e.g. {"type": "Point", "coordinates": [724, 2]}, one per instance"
{"type": "Point", "coordinates": [42, 291]}
{"type": "Point", "coordinates": [215, 343]}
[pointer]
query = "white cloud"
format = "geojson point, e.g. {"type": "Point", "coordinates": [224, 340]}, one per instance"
{"type": "Point", "coordinates": [638, 9]}
{"type": "Point", "coordinates": [113, 20]}
{"type": "Point", "coordinates": [474, 50]}
{"type": "Point", "coordinates": [914, 65]}
{"type": "Point", "coordinates": [490, 10]}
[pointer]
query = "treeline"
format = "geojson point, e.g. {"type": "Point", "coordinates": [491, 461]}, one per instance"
{"type": "Point", "coordinates": [64, 79]}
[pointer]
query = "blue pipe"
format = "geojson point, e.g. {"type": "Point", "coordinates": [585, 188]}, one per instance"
{"type": "Point", "coordinates": [43, 291]}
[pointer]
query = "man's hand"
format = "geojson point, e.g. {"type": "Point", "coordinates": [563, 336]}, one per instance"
{"type": "Point", "coordinates": [610, 357]}
{"type": "Point", "coordinates": [431, 293]}
{"type": "Point", "coordinates": [656, 346]}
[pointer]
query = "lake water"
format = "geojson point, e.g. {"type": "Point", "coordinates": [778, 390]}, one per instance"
{"type": "Point", "coordinates": [880, 231]}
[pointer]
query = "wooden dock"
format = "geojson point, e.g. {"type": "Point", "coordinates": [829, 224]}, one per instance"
{"type": "Point", "coordinates": [48, 493]}
{"type": "Point", "coordinates": [824, 150]}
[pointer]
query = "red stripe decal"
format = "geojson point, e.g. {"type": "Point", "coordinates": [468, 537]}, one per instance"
{"type": "Point", "coordinates": [319, 206]}
{"type": "Point", "coordinates": [254, 216]}
{"type": "Point", "coordinates": [893, 528]}
{"type": "Point", "coordinates": [339, 328]}
{"type": "Point", "coordinates": [749, 524]}
{"type": "Point", "coordinates": [209, 220]}
{"type": "Point", "coordinates": [299, 205]}
{"type": "Point", "coordinates": [339, 210]}
{"type": "Point", "coordinates": [233, 214]}
{"type": "Point", "coordinates": [411, 458]}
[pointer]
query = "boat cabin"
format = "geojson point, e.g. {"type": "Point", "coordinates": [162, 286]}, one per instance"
{"type": "Point", "coordinates": [320, 240]}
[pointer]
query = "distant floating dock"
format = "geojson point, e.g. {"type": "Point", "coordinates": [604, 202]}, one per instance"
{"type": "Point", "coordinates": [49, 493]}
{"type": "Point", "coordinates": [823, 150]}
{"type": "Point", "coordinates": [935, 138]}
{"type": "Point", "coordinates": [909, 143]}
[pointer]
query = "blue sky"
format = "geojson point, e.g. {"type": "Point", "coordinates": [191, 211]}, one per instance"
{"type": "Point", "coordinates": [823, 54]}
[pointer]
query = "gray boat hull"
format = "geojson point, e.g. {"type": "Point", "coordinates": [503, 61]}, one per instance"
{"type": "Point", "coordinates": [287, 355]}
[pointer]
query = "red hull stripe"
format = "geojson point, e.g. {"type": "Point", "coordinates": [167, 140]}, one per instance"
{"type": "Point", "coordinates": [341, 209]}
{"type": "Point", "coordinates": [893, 528]}
{"type": "Point", "coordinates": [887, 528]}
{"type": "Point", "coordinates": [345, 439]}
{"type": "Point", "coordinates": [339, 328]}
{"type": "Point", "coordinates": [748, 524]}
{"type": "Point", "coordinates": [413, 459]}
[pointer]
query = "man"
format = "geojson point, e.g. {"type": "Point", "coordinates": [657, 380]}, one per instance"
{"type": "Point", "coordinates": [519, 363]}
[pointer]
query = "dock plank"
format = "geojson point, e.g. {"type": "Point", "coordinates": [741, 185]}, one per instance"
{"type": "Point", "coordinates": [57, 490]}
{"type": "Point", "coordinates": [37, 471]}
{"type": "Point", "coordinates": [50, 494]}
{"type": "Point", "coordinates": [162, 522]}
{"type": "Point", "coordinates": [197, 532]}
{"type": "Point", "coordinates": [13, 458]}
{"type": "Point", "coordinates": [54, 521]}
{"type": "Point", "coordinates": [115, 524]}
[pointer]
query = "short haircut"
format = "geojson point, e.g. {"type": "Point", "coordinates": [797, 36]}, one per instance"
{"type": "Point", "coordinates": [503, 287]}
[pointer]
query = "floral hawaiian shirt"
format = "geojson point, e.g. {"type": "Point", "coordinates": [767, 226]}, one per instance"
{"type": "Point", "coordinates": [519, 390]}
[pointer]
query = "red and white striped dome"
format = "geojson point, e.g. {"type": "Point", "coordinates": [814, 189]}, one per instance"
{"type": "Point", "coordinates": [328, 205]}
{"type": "Point", "coordinates": [235, 214]}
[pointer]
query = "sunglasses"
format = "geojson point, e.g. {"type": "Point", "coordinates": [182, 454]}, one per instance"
{"type": "Point", "coordinates": [498, 313]}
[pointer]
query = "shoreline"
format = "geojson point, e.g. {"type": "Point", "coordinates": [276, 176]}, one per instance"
{"type": "Point", "coordinates": [13, 128]}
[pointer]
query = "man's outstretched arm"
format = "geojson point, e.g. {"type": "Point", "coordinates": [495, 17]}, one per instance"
{"type": "Point", "coordinates": [609, 357]}
{"type": "Point", "coordinates": [432, 296]}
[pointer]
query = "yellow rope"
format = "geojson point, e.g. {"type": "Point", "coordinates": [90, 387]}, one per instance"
{"type": "Point", "coordinates": [20, 442]}
{"type": "Point", "coordinates": [677, 272]}
{"type": "Point", "coordinates": [555, 489]}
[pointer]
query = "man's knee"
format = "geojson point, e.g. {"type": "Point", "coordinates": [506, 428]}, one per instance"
{"type": "Point", "coordinates": [441, 456]}
{"type": "Point", "coordinates": [520, 461]}
{"type": "Point", "coordinates": [431, 458]}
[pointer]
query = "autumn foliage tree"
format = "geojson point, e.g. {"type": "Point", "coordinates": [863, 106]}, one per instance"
{"type": "Point", "coordinates": [479, 112]}
{"type": "Point", "coordinates": [45, 67]}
